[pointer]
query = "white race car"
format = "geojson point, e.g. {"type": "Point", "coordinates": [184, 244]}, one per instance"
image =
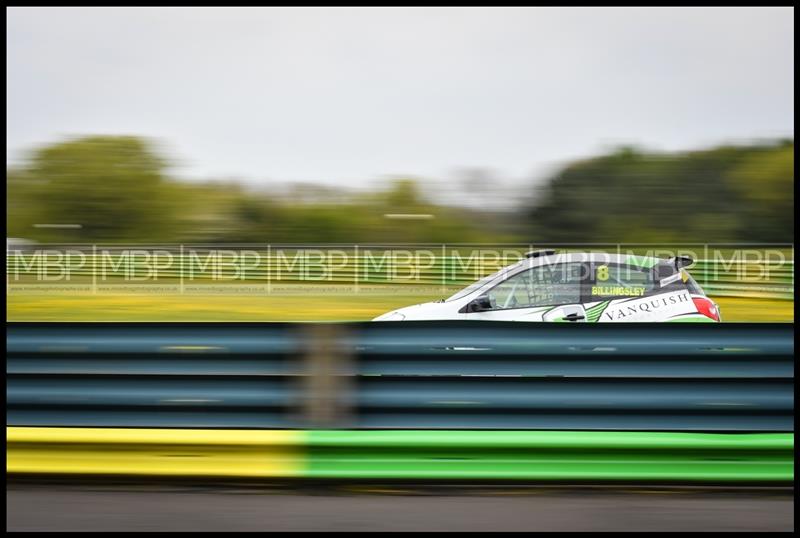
{"type": "Point", "coordinates": [576, 287]}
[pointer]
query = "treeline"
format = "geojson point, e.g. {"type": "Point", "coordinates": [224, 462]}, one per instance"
{"type": "Point", "coordinates": [118, 189]}
{"type": "Point", "coordinates": [725, 194]}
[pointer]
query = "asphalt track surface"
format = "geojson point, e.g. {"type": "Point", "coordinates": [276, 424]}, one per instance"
{"type": "Point", "coordinates": [48, 507]}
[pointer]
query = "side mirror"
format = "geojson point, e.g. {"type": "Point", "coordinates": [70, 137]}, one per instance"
{"type": "Point", "coordinates": [480, 304]}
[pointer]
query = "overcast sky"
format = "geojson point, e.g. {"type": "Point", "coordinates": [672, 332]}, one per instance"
{"type": "Point", "coordinates": [347, 96]}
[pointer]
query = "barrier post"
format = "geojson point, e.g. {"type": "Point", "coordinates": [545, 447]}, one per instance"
{"type": "Point", "coordinates": [325, 383]}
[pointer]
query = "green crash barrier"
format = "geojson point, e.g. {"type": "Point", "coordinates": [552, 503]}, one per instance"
{"type": "Point", "coordinates": [533, 456]}
{"type": "Point", "coordinates": [551, 456]}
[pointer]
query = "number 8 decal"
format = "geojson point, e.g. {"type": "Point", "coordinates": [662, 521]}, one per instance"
{"type": "Point", "coordinates": [602, 273]}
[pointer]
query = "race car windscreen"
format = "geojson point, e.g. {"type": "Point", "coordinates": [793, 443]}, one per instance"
{"type": "Point", "coordinates": [476, 285]}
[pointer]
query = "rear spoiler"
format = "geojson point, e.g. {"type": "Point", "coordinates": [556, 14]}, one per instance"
{"type": "Point", "coordinates": [680, 261]}
{"type": "Point", "coordinates": [665, 270]}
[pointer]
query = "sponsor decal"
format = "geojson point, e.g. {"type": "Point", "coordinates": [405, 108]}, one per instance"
{"type": "Point", "coordinates": [648, 306]}
{"type": "Point", "coordinates": [605, 291]}
{"type": "Point", "coordinates": [593, 313]}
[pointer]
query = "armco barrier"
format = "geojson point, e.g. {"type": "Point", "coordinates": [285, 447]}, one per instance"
{"type": "Point", "coordinates": [406, 375]}
{"type": "Point", "coordinates": [551, 455]}
{"type": "Point", "coordinates": [403, 400]}
{"type": "Point", "coordinates": [734, 377]}
{"type": "Point", "coordinates": [539, 456]}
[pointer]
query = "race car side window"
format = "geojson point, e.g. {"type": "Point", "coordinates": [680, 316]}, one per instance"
{"type": "Point", "coordinates": [613, 280]}
{"type": "Point", "coordinates": [548, 285]}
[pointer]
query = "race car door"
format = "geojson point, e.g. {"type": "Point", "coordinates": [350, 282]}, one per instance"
{"type": "Point", "coordinates": [543, 293]}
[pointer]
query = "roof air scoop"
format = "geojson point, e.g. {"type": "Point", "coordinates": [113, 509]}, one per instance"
{"type": "Point", "coordinates": [539, 253]}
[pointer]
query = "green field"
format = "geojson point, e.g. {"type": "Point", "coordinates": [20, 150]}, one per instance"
{"type": "Point", "coordinates": [309, 306]}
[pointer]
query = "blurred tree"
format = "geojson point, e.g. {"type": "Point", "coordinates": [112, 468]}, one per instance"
{"type": "Point", "coordinates": [116, 188]}
{"type": "Point", "coordinates": [765, 181]}
{"type": "Point", "coordinates": [725, 194]}
{"type": "Point", "coordinates": [403, 195]}
{"type": "Point", "coordinates": [112, 186]}
{"type": "Point", "coordinates": [22, 209]}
